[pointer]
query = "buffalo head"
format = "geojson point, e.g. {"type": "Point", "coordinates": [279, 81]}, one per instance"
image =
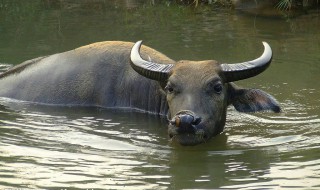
{"type": "Point", "coordinates": [199, 92]}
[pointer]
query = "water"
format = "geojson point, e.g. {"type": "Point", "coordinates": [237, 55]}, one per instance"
{"type": "Point", "coordinates": [92, 148]}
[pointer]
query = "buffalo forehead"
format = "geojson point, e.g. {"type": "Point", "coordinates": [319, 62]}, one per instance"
{"type": "Point", "coordinates": [196, 70]}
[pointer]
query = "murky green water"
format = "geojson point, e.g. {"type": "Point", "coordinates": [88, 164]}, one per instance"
{"type": "Point", "coordinates": [81, 148]}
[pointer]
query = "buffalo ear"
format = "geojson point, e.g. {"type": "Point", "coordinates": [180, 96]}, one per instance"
{"type": "Point", "coordinates": [251, 100]}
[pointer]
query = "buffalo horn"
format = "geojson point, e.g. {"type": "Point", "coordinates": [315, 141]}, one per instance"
{"type": "Point", "coordinates": [239, 71]}
{"type": "Point", "coordinates": [155, 71]}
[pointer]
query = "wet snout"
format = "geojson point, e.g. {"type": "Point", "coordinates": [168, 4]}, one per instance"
{"type": "Point", "coordinates": [185, 122]}
{"type": "Point", "coordinates": [187, 128]}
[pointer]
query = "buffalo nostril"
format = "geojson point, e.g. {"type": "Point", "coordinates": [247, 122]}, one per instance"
{"type": "Point", "coordinates": [196, 121]}
{"type": "Point", "coordinates": [185, 123]}
{"type": "Point", "coordinates": [183, 120]}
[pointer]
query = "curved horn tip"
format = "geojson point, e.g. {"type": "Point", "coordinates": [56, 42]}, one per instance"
{"type": "Point", "coordinates": [140, 42]}
{"type": "Point", "coordinates": [266, 45]}
{"type": "Point", "coordinates": [240, 71]}
{"type": "Point", "coordinates": [137, 45]}
{"type": "Point", "coordinates": [267, 50]}
{"type": "Point", "coordinates": [148, 69]}
{"type": "Point", "coordinates": [136, 48]}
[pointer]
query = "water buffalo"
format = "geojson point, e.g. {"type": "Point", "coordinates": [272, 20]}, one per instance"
{"type": "Point", "coordinates": [194, 95]}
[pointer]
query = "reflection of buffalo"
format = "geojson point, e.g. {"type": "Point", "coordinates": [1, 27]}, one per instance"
{"type": "Point", "coordinates": [193, 94]}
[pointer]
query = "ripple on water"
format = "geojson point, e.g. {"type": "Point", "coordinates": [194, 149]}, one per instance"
{"type": "Point", "coordinates": [293, 127]}
{"type": "Point", "coordinates": [83, 151]}
{"type": "Point", "coordinates": [95, 150]}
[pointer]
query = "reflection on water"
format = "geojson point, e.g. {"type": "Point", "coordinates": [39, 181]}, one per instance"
{"type": "Point", "coordinates": [86, 147]}
{"type": "Point", "coordinates": [76, 147]}
{"type": "Point", "coordinates": [97, 148]}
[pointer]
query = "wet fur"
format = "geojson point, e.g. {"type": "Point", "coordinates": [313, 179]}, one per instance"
{"type": "Point", "coordinates": [94, 75]}
{"type": "Point", "coordinates": [100, 74]}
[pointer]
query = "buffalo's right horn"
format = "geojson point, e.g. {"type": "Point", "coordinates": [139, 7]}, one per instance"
{"type": "Point", "coordinates": [239, 71]}
{"type": "Point", "coordinates": [155, 71]}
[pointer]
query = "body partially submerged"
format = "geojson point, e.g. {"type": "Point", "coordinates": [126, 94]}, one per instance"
{"type": "Point", "coordinates": [98, 74]}
{"type": "Point", "coordinates": [194, 95]}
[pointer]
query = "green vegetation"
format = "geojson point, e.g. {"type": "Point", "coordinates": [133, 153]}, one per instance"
{"type": "Point", "coordinates": [196, 3]}
{"type": "Point", "coordinates": [278, 4]}
{"type": "Point", "coordinates": [289, 4]}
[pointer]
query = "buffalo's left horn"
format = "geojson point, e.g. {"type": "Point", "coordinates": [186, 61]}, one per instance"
{"type": "Point", "coordinates": [155, 71]}
{"type": "Point", "coordinates": [239, 71]}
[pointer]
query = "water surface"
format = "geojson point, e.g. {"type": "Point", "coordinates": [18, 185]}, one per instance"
{"type": "Point", "coordinates": [80, 148]}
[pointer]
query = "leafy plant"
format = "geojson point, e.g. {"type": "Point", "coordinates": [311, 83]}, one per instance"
{"type": "Point", "coordinates": [289, 4]}
{"type": "Point", "coordinates": [284, 5]}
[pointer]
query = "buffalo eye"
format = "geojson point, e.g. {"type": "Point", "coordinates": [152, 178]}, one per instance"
{"type": "Point", "coordinates": [218, 88]}
{"type": "Point", "coordinates": [215, 87]}
{"type": "Point", "coordinates": [169, 89]}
